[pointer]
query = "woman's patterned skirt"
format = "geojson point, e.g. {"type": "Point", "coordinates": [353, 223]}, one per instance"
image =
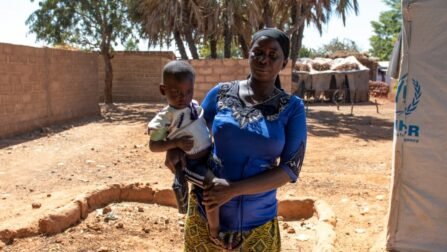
{"type": "Point", "coordinates": [263, 238]}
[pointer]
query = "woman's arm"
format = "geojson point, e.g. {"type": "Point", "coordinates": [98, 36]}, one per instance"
{"type": "Point", "coordinates": [266, 181]}
{"type": "Point", "coordinates": [263, 182]}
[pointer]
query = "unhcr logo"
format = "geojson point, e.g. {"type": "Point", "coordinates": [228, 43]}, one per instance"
{"type": "Point", "coordinates": [410, 133]}
{"type": "Point", "coordinates": [402, 91]}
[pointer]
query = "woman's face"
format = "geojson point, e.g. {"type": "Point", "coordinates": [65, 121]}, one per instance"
{"type": "Point", "coordinates": [266, 59]}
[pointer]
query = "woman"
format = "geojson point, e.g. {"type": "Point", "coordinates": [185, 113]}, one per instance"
{"type": "Point", "coordinates": [253, 124]}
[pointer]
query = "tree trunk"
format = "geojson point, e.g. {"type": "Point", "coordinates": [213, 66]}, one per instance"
{"type": "Point", "coordinates": [108, 77]}
{"type": "Point", "coordinates": [187, 30]}
{"type": "Point", "coordinates": [213, 48]}
{"type": "Point", "coordinates": [191, 43]}
{"type": "Point", "coordinates": [267, 14]}
{"type": "Point", "coordinates": [243, 45]}
{"type": "Point", "coordinates": [294, 37]}
{"type": "Point", "coordinates": [297, 35]}
{"type": "Point", "coordinates": [180, 46]}
{"type": "Point", "coordinates": [227, 41]}
{"type": "Point", "coordinates": [297, 39]}
{"type": "Point", "coordinates": [227, 36]}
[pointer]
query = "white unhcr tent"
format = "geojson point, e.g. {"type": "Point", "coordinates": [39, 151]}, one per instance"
{"type": "Point", "coordinates": [418, 207]}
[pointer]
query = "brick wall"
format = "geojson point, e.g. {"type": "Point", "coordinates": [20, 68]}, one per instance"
{"type": "Point", "coordinates": [210, 72]}
{"type": "Point", "coordinates": [136, 76]}
{"type": "Point", "coordinates": [42, 86]}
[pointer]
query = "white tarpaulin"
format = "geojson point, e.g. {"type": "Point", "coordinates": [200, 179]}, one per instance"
{"type": "Point", "coordinates": [418, 209]}
{"type": "Point", "coordinates": [319, 81]}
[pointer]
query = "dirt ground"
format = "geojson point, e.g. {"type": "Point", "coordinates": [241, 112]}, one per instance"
{"type": "Point", "coordinates": [347, 164]}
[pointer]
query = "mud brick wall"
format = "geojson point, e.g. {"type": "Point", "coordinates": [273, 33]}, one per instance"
{"type": "Point", "coordinates": [210, 72]}
{"type": "Point", "coordinates": [136, 76]}
{"type": "Point", "coordinates": [42, 86]}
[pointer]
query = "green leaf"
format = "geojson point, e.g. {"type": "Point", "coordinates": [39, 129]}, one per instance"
{"type": "Point", "coordinates": [386, 30]}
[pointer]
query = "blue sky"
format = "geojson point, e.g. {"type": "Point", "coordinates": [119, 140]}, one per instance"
{"type": "Point", "coordinates": [13, 30]}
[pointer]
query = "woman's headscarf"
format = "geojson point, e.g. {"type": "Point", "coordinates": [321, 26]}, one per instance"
{"type": "Point", "coordinates": [282, 39]}
{"type": "Point", "coordinates": [276, 34]}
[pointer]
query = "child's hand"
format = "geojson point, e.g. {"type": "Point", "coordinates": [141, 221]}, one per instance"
{"type": "Point", "coordinates": [185, 143]}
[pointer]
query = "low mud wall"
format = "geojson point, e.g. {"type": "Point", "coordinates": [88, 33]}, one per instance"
{"type": "Point", "coordinates": [62, 218]}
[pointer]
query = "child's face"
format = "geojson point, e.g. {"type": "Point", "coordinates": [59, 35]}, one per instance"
{"type": "Point", "coordinates": [178, 93]}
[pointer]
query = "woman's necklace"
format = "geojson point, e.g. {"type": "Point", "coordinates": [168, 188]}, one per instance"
{"type": "Point", "coordinates": [251, 95]}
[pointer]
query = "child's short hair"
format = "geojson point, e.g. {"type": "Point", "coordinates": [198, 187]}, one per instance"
{"type": "Point", "coordinates": [179, 70]}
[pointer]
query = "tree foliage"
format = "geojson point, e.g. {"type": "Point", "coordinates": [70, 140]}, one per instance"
{"type": "Point", "coordinates": [231, 21]}
{"type": "Point", "coordinates": [307, 52]}
{"type": "Point", "coordinates": [337, 45]}
{"type": "Point", "coordinates": [164, 21]}
{"type": "Point", "coordinates": [88, 24]}
{"type": "Point", "coordinates": [131, 45]}
{"type": "Point", "coordinates": [386, 30]}
{"type": "Point", "coordinates": [206, 52]}
{"type": "Point", "coordinates": [334, 46]}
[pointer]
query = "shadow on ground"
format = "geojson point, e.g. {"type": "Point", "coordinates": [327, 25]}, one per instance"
{"type": "Point", "coordinates": [321, 123]}
{"type": "Point", "coordinates": [116, 114]}
{"type": "Point", "coordinates": [129, 112]}
{"type": "Point", "coordinates": [47, 131]}
{"type": "Point", "coordinates": [333, 124]}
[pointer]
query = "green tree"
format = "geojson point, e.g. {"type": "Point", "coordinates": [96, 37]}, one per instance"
{"type": "Point", "coordinates": [89, 24]}
{"type": "Point", "coordinates": [307, 52]}
{"type": "Point", "coordinates": [206, 52]}
{"type": "Point", "coordinates": [131, 45]}
{"type": "Point", "coordinates": [336, 45]}
{"type": "Point", "coordinates": [386, 30]}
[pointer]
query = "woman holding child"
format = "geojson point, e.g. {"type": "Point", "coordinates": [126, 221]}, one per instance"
{"type": "Point", "coordinates": [253, 124]}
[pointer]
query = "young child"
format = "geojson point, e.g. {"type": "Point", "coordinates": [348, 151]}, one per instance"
{"type": "Point", "coordinates": [181, 125]}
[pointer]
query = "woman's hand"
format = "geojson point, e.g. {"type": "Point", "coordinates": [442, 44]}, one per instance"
{"type": "Point", "coordinates": [218, 195]}
{"type": "Point", "coordinates": [173, 157]}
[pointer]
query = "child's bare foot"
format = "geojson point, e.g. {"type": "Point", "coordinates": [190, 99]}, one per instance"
{"type": "Point", "coordinates": [214, 232]}
{"type": "Point", "coordinates": [227, 241]}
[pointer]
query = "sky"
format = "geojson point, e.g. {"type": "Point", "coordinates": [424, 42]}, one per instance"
{"type": "Point", "coordinates": [13, 14]}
